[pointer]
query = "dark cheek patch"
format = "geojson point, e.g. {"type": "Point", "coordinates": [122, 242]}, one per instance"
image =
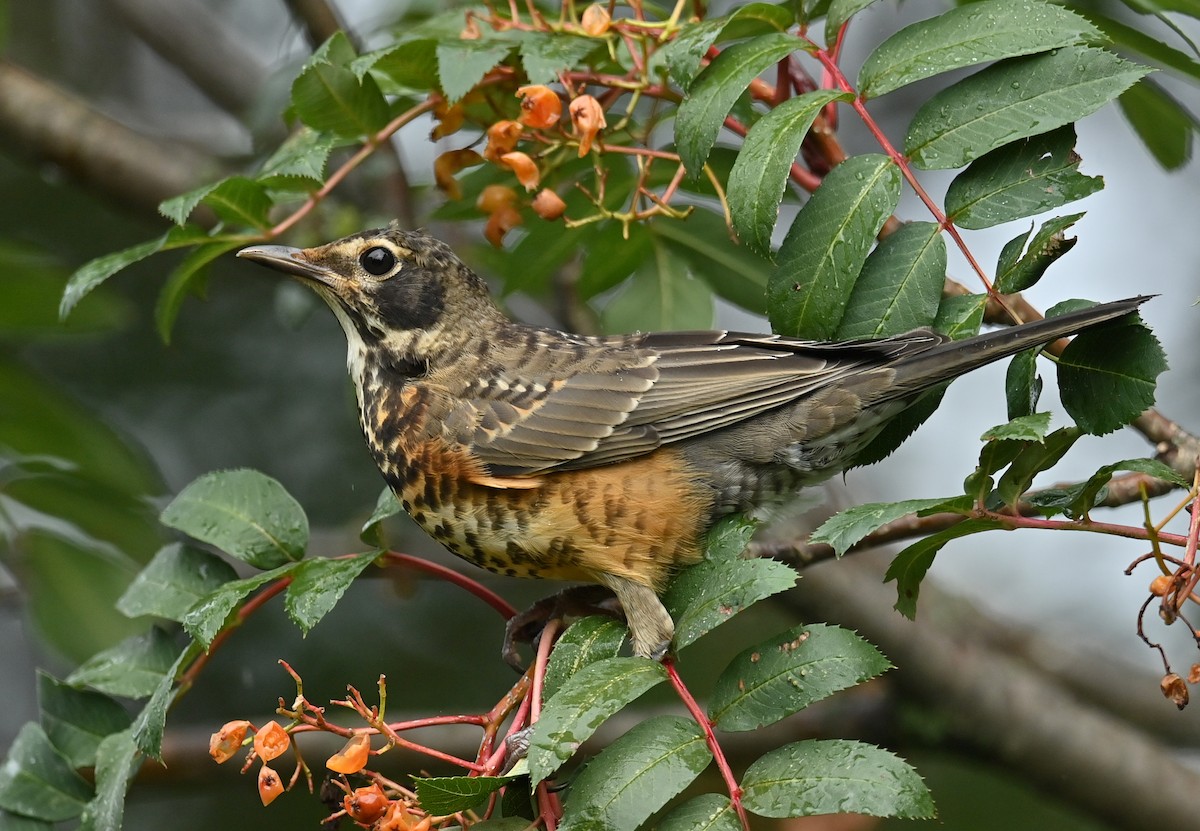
{"type": "Point", "coordinates": [413, 299]}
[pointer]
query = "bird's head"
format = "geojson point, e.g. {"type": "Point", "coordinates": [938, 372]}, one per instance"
{"type": "Point", "coordinates": [402, 292]}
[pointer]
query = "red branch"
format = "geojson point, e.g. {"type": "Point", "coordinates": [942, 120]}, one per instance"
{"type": "Point", "coordinates": [451, 576]}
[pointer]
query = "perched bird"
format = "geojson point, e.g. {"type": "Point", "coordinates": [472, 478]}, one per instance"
{"type": "Point", "coordinates": [538, 453]}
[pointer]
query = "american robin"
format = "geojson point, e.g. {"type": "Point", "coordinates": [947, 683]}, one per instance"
{"type": "Point", "coordinates": [538, 453]}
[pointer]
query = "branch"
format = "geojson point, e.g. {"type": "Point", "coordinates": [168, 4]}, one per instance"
{"type": "Point", "coordinates": [319, 19]}
{"type": "Point", "coordinates": [50, 125]}
{"type": "Point", "coordinates": [1006, 709]}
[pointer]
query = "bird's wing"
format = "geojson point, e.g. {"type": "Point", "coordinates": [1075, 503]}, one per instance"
{"type": "Point", "coordinates": [618, 398]}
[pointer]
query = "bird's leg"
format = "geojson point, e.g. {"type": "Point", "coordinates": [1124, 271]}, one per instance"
{"type": "Point", "coordinates": [650, 627]}
{"type": "Point", "coordinates": [575, 601]}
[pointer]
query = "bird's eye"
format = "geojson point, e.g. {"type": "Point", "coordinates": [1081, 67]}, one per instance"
{"type": "Point", "coordinates": [378, 261]}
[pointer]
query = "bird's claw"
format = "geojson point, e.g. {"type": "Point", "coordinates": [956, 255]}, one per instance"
{"type": "Point", "coordinates": [576, 601]}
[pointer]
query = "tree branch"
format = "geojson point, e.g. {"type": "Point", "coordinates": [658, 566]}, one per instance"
{"type": "Point", "coordinates": [319, 19]}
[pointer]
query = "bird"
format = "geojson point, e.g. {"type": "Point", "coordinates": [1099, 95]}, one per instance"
{"type": "Point", "coordinates": [603, 460]}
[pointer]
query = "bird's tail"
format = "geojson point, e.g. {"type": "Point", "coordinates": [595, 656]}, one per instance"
{"type": "Point", "coordinates": [953, 358]}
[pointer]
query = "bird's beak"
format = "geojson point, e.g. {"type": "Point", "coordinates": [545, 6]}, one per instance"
{"type": "Point", "coordinates": [290, 261]}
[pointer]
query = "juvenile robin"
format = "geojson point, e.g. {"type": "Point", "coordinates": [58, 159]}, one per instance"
{"type": "Point", "coordinates": [538, 453]}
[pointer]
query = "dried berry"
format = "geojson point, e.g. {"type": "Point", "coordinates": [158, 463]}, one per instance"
{"type": "Point", "coordinates": [270, 741]}
{"type": "Point", "coordinates": [448, 164]}
{"type": "Point", "coordinates": [502, 138]}
{"type": "Point", "coordinates": [367, 804]}
{"type": "Point", "coordinates": [548, 204]}
{"type": "Point", "coordinates": [227, 741]}
{"type": "Point", "coordinates": [269, 785]}
{"type": "Point", "coordinates": [540, 106]}
{"type": "Point", "coordinates": [587, 116]}
{"type": "Point", "coordinates": [595, 20]}
{"type": "Point", "coordinates": [495, 197]}
{"type": "Point", "coordinates": [500, 223]}
{"type": "Point", "coordinates": [1160, 585]}
{"type": "Point", "coordinates": [1174, 689]}
{"type": "Point", "coordinates": [353, 756]}
{"type": "Point", "coordinates": [450, 119]}
{"type": "Point", "coordinates": [520, 164]}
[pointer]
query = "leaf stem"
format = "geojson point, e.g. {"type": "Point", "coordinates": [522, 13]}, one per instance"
{"type": "Point", "coordinates": [451, 576]}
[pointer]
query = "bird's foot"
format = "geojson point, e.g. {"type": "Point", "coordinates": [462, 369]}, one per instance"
{"type": "Point", "coordinates": [576, 601]}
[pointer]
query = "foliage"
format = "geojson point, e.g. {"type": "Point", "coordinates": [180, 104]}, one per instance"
{"type": "Point", "coordinates": [633, 171]}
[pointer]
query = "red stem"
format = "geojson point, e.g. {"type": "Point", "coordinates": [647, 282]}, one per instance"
{"type": "Point", "coordinates": [451, 576]}
{"type": "Point", "coordinates": [248, 608]}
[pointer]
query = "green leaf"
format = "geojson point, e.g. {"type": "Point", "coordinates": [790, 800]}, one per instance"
{"type": "Point", "coordinates": [204, 620]}
{"type": "Point", "coordinates": [711, 97]}
{"type": "Point", "coordinates": [463, 63]}
{"type": "Point", "coordinates": [445, 795]}
{"type": "Point", "coordinates": [302, 156]}
{"type": "Point", "coordinates": [1032, 427]}
{"type": "Point", "coordinates": [846, 528]}
{"type": "Point", "coordinates": [732, 271]}
{"type": "Point", "coordinates": [1022, 384]}
{"type": "Point", "coordinates": [330, 98]}
{"type": "Point", "coordinates": [149, 724]}
{"type": "Point", "coordinates": [117, 762]}
{"type": "Point", "coordinates": [1048, 244]}
{"type": "Point", "coordinates": [95, 272]}
{"type": "Point", "coordinates": [729, 537]}
{"type": "Point", "coordinates": [131, 669]}
{"type": "Point", "coordinates": [610, 257]}
{"type": "Point", "coordinates": [584, 702]}
{"type": "Point", "coordinates": [1164, 125]}
{"type": "Point", "coordinates": [387, 505]}
{"type": "Point", "coordinates": [826, 247]}
{"type": "Point", "coordinates": [1019, 97]}
{"type": "Point", "coordinates": [1107, 375]}
{"type": "Point", "coordinates": [1018, 180]}
{"type": "Point", "coordinates": [184, 280]}
{"type": "Point", "coordinates": [244, 513]}
{"type": "Point", "coordinates": [985, 31]}
{"type": "Point", "coordinates": [707, 812]}
{"type": "Point", "coordinates": [77, 721]}
{"type": "Point", "coordinates": [705, 595]}
{"type": "Point", "coordinates": [38, 782]}
{"type": "Point", "coordinates": [900, 285]}
{"type": "Point", "coordinates": [760, 174]}
{"type": "Point", "coordinates": [1086, 497]}
{"type": "Point", "coordinates": [684, 53]}
{"type": "Point", "coordinates": [175, 580]}
{"type": "Point", "coordinates": [910, 565]}
{"type": "Point", "coordinates": [409, 64]}
{"type": "Point", "coordinates": [786, 673]}
{"type": "Point", "coordinates": [662, 295]}
{"type": "Point", "coordinates": [637, 774]}
{"type": "Point", "coordinates": [833, 777]}
{"type": "Point", "coordinates": [960, 317]}
{"type": "Point", "coordinates": [1150, 46]}
{"type": "Point", "coordinates": [839, 12]}
{"type": "Point", "coordinates": [319, 583]}
{"type": "Point", "coordinates": [16, 822]}
{"type": "Point", "coordinates": [545, 55]}
{"type": "Point", "coordinates": [590, 639]}
{"type": "Point", "coordinates": [240, 201]}
{"type": "Point", "coordinates": [1033, 458]}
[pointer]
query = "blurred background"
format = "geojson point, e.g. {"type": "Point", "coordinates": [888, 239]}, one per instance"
{"type": "Point", "coordinates": [108, 106]}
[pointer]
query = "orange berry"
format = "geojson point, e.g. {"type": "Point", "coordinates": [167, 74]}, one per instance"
{"type": "Point", "coordinates": [495, 197]}
{"type": "Point", "coordinates": [595, 20]}
{"type": "Point", "coordinates": [353, 756]}
{"type": "Point", "coordinates": [548, 204]}
{"type": "Point", "coordinates": [1160, 585]}
{"type": "Point", "coordinates": [587, 116]}
{"type": "Point", "coordinates": [540, 106]}
{"type": "Point", "coordinates": [448, 164]}
{"type": "Point", "coordinates": [502, 138]}
{"type": "Point", "coordinates": [366, 805]}
{"type": "Point", "coordinates": [500, 223]}
{"type": "Point", "coordinates": [520, 164]}
{"type": "Point", "coordinates": [227, 741]}
{"type": "Point", "coordinates": [1194, 674]}
{"type": "Point", "coordinates": [269, 785]}
{"type": "Point", "coordinates": [270, 741]}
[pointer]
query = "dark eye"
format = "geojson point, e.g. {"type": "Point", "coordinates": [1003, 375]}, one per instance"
{"type": "Point", "coordinates": [378, 261]}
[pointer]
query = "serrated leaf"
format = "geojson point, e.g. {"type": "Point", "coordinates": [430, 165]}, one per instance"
{"type": "Point", "coordinates": [585, 700]}
{"type": "Point", "coordinates": [729, 537]}
{"type": "Point", "coordinates": [77, 721]}
{"type": "Point", "coordinates": [900, 286]}
{"type": "Point", "coordinates": [834, 776]}
{"type": "Point", "coordinates": [387, 505]}
{"type": "Point", "coordinates": [149, 724]}
{"type": "Point", "coordinates": [1107, 375]}
{"type": "Point", "coordinates": [131, 669]}
{"type": "Point", "coordinates": [244, 513]}
{"type": "Point", "coordinates": [38, 782]}
{"type": "Point", "coordinates": [760, 174]}
{"type": "Point", "coordinates": [331, 98]}
{"type": "Point", "coordinates": [1085, 498]}
{"type": "Point", "coordinates": [910, 565]}
{"type": "Point", "coordinates": [240, 201]}
{"type": "Point", "coordinates": [637, 774]}
{"type": "Point", "coordinates": [409, 64]}
{"type": "Point", "coordinates": [1018, 180]}
{"type": "Point", "coordinates": [732, 271]}
{"type": "Point", "coordinates": [463, 63]}
{"type": "Point", "coordinates": [117, 762]}
{"type": "Point", "coordinates": [1022, 384]}
{"type": "Point", "coordinates": [846, 528]}
{"type": "Point", "coordinates": [586, 641]}
{"type": "Point", "coordinates": [183, 280]}
{"type": "Point", "coordinates": [1032, 427]}
{"type": "Point", "coordinates": [985, 31]}
{"type": "Point", "coordinates": [662, 295]}
{"type": "Point", "coordinates": [318, 584]}
{"type": "Point", "coordinates": [825, 248]}
{"type": "Point", "coordinates": [683, 54]}
{"type": "Point", "coordinates": [1033, 458]}
{"type": "Point", "coordinates": [204, 620]}
{"type": "Point", "coordinates": [545, 55]}
{"type": "Point", "coordinates": [711, 97]}
{"type": "Point", "coordinates": [302, 155]}
{"type": "Point", "coordinates": [1020, 97]}
{"type": "Point", "coordinates": [174, 581]}
{"type": "Point", "coordinates": [707, 812]}
{"type": "Point", "coordinates": [445, 795]}
{"type": "Point", "coordinates": [704, 596]}
{"type": "Point", "coordinates": [1164, 124]}
{"type": "Point", "coordinates": [92, 274]}
{"type": "Point", "coordinates": [784, 674]}
{"type": "Point", "coordinates": [1047, 245]}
